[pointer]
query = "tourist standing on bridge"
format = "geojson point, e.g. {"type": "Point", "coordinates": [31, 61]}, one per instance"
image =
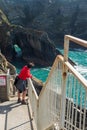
{"type": "Point", "coordinates": [22, 82]}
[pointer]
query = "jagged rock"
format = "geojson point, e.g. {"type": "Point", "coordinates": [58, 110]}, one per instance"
{"type": "Point", "coordinates": [38, 84]}
{"type": "Point", "coordinates": [52, 16]}
{"type": "Point", "coordinates": [5, 65]}
{"type": "Point", "coordinates": [35, 45]}
{"type": "Point", "coordinates": [56, 17]}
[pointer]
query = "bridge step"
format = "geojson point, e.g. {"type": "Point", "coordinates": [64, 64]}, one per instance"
{"type": "Point", "coordinates": [14, 115]}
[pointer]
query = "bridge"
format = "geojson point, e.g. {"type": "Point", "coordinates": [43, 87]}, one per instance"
{"type": "Point", "coordinates": [14, 116]}
{"type": "Point", "coordinates": [60, 105]}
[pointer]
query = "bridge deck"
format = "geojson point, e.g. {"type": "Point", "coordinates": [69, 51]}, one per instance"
{"type": "Point", "coordinates": [14, 116]}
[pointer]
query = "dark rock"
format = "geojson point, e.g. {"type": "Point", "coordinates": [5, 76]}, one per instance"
{"type": "Point", "coordinates": [38, 84]}
{"type": "Point", "coordinates": [56, 17]}
{"type": "Point", "coordinates": [5, 65]}
{"type": "Point", "coordinates": [35, 45]}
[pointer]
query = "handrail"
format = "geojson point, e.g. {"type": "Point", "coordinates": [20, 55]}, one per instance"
{"type": "Point", "coordinates": [59, 106]}
{"type": "Point", "coordinates": [77, 74]}
{"type": "Point", "coordinates": [33, 101]}
{"type": "Point", "coordinates": [33, 88]}
{"type": "Point", "coordinates": [70, 69]}
{"type": "Point", "coordinates": [69, 38]}
{"type": "Point", "coordinates": [76, 40]}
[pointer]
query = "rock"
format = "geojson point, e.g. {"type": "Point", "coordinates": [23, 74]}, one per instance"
{"type": "Point", "coordinates": [56, 17]}
{"type": "Point", "coordinates": [5, 65]}
{"type": "Point", "coordinates": [38, 84]}
{"type": "Point", "coordinates": [35, 44]}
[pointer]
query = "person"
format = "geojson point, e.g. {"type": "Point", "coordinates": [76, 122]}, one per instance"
{"type": "Point", "coordinates": [22, 82]}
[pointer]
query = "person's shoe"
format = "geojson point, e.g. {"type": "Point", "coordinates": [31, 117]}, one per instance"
{"type": "Point", "coordinates": [24, 102]}
{"type": "Point", "coordinates": [19, 100]}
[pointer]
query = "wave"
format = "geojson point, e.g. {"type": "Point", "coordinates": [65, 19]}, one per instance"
{"type": "Point", "coordinates": [79, 50]}
{"type": "Point", "coordinates": [82, 70]}
{"type": "Point", "coordinates": [48, 68]}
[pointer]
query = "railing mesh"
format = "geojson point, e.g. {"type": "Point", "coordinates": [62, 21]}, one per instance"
{"type": "Point", "coordinates": [76, 104]}
{"type": "Point", "coordinates": [50, 100]}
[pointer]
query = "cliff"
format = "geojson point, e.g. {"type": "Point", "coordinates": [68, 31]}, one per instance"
{"type": "Point", "coordinates": [35, 45]}
{"type": "Point", "coordinates": [56, 17]}
{"type": "Point", "coordinates": [5, 65]}
{"type": "Point", "coordinates": [38, 26]}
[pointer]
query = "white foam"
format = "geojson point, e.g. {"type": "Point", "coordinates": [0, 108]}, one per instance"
{"type": "Point", "coordinates": [82, 70]}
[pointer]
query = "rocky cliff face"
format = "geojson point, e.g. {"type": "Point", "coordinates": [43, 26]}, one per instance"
{"type": "Point", "coordinates": [56, 17]}
{"type": "Point", "coordinates": [5, 65]}
{"type": "Point", "coordinates": [35, 45]}
{"type": "Point", "coordinates": [48, 19]}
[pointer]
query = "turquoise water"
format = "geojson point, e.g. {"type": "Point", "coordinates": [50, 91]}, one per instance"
{"type": "Point", "coordinates": [40, 73]}
{"type": "Point", "coordinates": [79, 56]}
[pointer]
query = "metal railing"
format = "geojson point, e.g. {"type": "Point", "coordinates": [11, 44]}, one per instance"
{"type": "Point", "coordinates": [34, 102]}
{"type": "Point", "coordinates": [63, 99]}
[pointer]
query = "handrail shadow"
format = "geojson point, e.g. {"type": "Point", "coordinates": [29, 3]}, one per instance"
{"type": "Point", "coordinates": [5, 109]}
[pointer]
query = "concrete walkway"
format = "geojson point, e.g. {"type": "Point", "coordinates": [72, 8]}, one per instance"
{"type": "Point", "coordinates": [14, 116]}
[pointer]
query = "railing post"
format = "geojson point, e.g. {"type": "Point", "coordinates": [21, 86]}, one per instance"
{"type": "Point", "coordinates": [8, 83]}
{"type": "Point", "coordinates": [64, 76]}
{"type": "Point", "coordinates": [63, 98]}
{"type": "Point", "coordinates": [66, 48]}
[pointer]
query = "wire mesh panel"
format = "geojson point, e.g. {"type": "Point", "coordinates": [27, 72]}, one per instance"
{"type": "Point", "coordinates": [50, 99]}
{"type": "Point", "coordinates": [76, 104]}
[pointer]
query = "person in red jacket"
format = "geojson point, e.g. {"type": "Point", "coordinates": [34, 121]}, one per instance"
{"type": "Point", "coordinates": [22, 82]}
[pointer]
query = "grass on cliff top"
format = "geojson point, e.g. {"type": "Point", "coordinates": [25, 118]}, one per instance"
{"type": "Point", "coordinates": [3, 18]}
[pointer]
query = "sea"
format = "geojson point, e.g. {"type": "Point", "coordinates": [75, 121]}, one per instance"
{"type": "Point", "coordinates": [78, 56]}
